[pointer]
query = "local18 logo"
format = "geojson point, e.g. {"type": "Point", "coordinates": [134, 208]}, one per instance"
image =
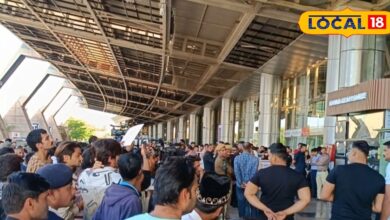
{"type": "Point", "coordinates": [346, 22]}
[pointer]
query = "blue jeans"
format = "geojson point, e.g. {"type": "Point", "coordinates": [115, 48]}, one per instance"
{"type": "Point", "coordinates": [245, 210]}
{"type": "Point", "coordinates": [313, 183]}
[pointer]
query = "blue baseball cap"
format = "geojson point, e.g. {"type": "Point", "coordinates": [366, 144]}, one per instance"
{"type": "Point", "coordinates": [57, 175]}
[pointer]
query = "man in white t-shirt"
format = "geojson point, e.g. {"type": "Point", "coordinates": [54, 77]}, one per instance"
{"type": "Point", "coordinates": [386, 203]}
{"type": "Point", "coordinates": [93, 182]}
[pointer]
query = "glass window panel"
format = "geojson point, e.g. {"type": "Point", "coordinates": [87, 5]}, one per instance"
{"type": "Point", "coordinates": [58, 101]}
{"type": "Point", "coordinates": [44, 94]}
{"type": "Point", "coordinates": [22, 82]}
{"type": "Point", "coordinates": [11, 44]}
{"type": "Point", "coordinates": [364, 126]}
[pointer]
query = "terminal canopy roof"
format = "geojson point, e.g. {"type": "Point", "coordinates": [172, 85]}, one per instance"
{"type": "Point", "coordinates": [152, 60]}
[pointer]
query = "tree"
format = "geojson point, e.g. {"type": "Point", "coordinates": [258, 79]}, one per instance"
{"type": "Point", "coordinates": [78, 130]}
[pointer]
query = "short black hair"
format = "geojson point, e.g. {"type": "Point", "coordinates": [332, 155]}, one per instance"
{"type": "Point", "coordinates": [92, 139]}
{"type": "Point", "coordinates": [104, 149]}
{"type": "Point", "coordinates": [6, 150]}
{"type": "Point", "coordinates": [362, 146]}
{"type": "Point", "coordinates": [315, 150]}
{"type": "Point", "coordinates": [302, 145]}
{"type": "Point", "coordinates": [87, 159]}
{"type": "Point", "coordinates": [175, 174]}
{"type": "Point", "coordinates": [9, 163]}
{"type": "Point", "coordinates": [279, 150]}
{"type": "Point", "coordinates": [21, 186]}
{"type": "Point", "coordinates": [34, 137]}
{"type": "Point", "coordinates": [194, 158]}
{"type": "Point", "coordinates": [129, 165]}
{"type": "Point", "coordinates": [66, 148]}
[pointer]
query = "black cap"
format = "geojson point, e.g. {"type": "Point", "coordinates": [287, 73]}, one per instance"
{"type": "Point", "coordinates": [387, 143]}
{"type": "Point", "coordinates": [214, 189]}
{"type": "Point", "coordinates": [362, 146]}
{"type": "Point", "coordinates": [57, 175]}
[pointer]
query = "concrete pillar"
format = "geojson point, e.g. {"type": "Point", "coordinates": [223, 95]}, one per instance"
{"type": "Point", "coordinates": [362, 58]}
{"type": "Point", "coordinates": [213, 129]}
{"type": "Point", "coordinates": [226, 122]}
{"type": "Point", "coordinates": [17, 121]}
{"type": "Point", "coordinates": [154, 131]}
{"type": "Point", "coordinates": [40, 119]}
{"type": "Point", "coordinates": [160, 131]}
{"type": "Point", "coordinates": [193, 128]}
{"type": "Point", "coordinates": [249, 119]}
{"type": "Point", "coordinates": [58, 133]}
{"type": "Point", "coordinates": [180, 130]}
{"type": "Point", "coordinates": [303, 99]}
{"type": "Point", "coordinates": [207, 129]}
{"type": "Point", "coordinates": [150, 131]}
{"type": "Point", "coordinates": [169, 131]}
{"type": "Point", "coordinates": [332, 84]}
{"type": "Point", "coordinates": [351, 61]}
{"type": "Point", "coordinates": [3, 129]}
{"type": "Point", "coordinates": [269, 109]}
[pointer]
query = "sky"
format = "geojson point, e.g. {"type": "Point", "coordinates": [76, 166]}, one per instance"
{"type": "Point", "coordinates": [27, 77]}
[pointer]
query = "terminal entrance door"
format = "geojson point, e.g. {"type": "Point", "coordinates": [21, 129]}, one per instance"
{"type": "Point", "coordinates": [355, 127]}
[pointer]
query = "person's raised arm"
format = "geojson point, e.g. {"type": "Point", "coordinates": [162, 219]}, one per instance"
{"type": "Point", "coordinates": [146, 162]}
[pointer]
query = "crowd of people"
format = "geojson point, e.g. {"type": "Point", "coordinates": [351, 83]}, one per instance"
{"type": "Point", "coordinates": [103, 180]}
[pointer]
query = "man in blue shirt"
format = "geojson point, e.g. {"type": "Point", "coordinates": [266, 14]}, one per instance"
{"type": "Point", "coordinates": [300, 160]}
{"type": "Point", "coordinates": [245, 167]}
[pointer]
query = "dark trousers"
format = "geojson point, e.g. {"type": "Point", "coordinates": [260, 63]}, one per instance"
{"type": "Point", "coordinates": [240, 201]}
{"type": "Point", "coordinates": [245, 210]}
{"type": "Point", "coordinates": [313, 183]}
{"type": "Point", "coordinates": [234, 199]}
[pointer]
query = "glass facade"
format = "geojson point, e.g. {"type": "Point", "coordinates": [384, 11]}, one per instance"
{"type": "Point", "coordinates": [303, 106]}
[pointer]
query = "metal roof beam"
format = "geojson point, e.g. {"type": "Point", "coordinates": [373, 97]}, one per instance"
{"type": "Point", "coordinates": [289, 4]}
{"type": "Point", "coordinates": [48, 28]}
{"type": "Point", "coordinates": [130, 101]}
{"type": "Point", "coordinates": [97, 21]}
{"type": "Point", "coordinates": [133, 92]}
{"type": "Point", "coordinates": [231, 41]}
{"type": "Point", "coordinates": [130, 79]}
{"type": "Point", "coordinates": [225, 4]}
{"type": "Point", "coordinates": [166, 10]}
{"type": "Point", "coordinates": [79, 33]}
{"type": "Point", "coordinates": [125, 112]}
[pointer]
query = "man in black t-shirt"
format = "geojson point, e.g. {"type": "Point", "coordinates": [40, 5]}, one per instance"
{"type": "Point", "coordinates": [355, 189]}
{"type": "Point", "coordinates": [279, 185]}
{"type": "Point", "coordinates": [300, 159]}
